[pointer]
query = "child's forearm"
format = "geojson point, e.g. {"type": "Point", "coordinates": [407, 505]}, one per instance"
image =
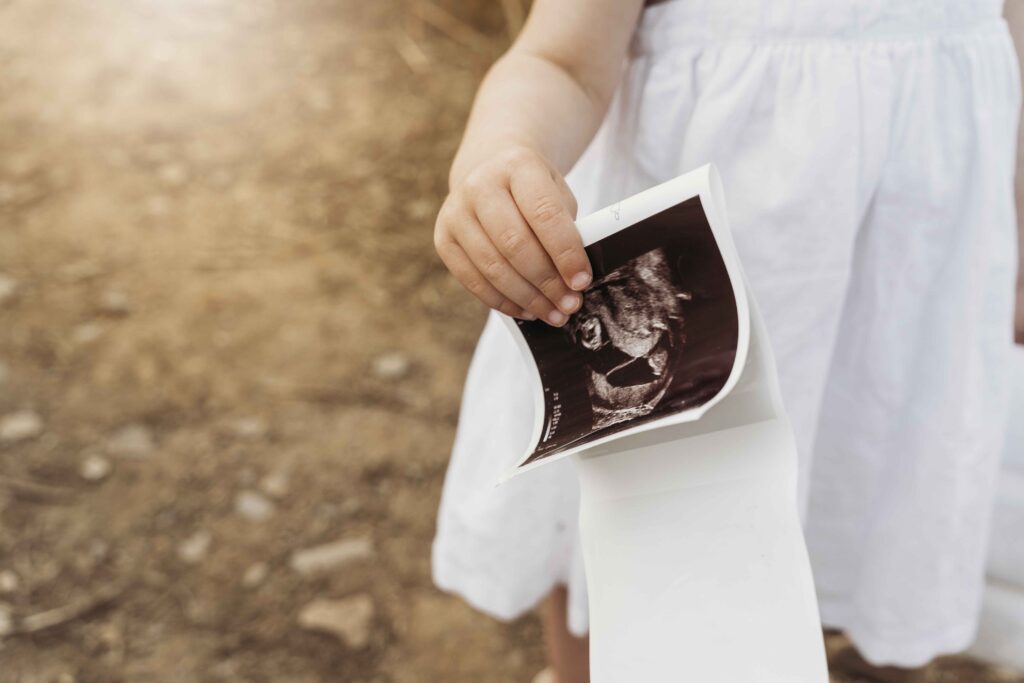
{"type": "Point", "coordinates": [506, 228]}
{"type": "Point", "coordinates": [550, 91]}
{"type": "Point", "coordinates": [527, 100]}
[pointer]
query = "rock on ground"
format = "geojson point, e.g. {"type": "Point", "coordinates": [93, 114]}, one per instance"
{"type": "Point", "coordinates": [253, 506]}
{"type": "Point", "coordinates": [87, 332]}
{"type": "Point", "coordinates": [9, 581]}
{"type": "Point", "coordinates": [255, 574]}
{"type": "Point", "coordinates": [8, 287]}
{"type": "Point", "coordinates": [6, 620]}
{"type": "Point", "coordinates": [20, 425]}
{"type": "Point", "coordinates": [331, 555]}
{"type": "Point", "coordinates": [115, 304]}
{"type": "Point", "coordinates": [194, 548]}
{"type": "Point", "coordinates": [95, 468]}
{"type": "Point", "coordinates": [275, 485]}
{"type": "Point", "coordinates": [249, 428]}
{"type": "Point", "coordinates": [391, 366]}
{"type": "Point", "coordinates": [349, 619]}
{"type": "Point", "coordinates": [131, 441]}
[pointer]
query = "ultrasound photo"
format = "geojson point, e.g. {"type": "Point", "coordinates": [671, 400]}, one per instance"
{"type": "Point", "coordinates": [657, 332]}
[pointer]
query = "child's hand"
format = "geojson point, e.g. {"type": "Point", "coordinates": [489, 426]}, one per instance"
{"type": "Point", "coordinates": [506, 232]}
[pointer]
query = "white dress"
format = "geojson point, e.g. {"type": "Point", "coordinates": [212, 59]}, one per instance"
{"type": "Point", "coordinates": [867, 150]}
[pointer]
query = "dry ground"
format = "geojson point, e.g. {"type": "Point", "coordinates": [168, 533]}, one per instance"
{"type": "Point", "coordinates": [224, 338]}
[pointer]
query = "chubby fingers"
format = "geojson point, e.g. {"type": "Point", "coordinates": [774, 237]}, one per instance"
{"type": "Point", "coordinates": [502, 275]}
{"type": "Point", "coordinates": [460, 265]}
{"type": "Point", "coordinates": [513, 238]}
{"type": "Point", "coordinates": [507, 234]}
{"type": "Point", "coordinates": [542, 203]}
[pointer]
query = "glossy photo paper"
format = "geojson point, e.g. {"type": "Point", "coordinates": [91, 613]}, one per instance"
{"type": "Point", "coordinates": [661, 330]}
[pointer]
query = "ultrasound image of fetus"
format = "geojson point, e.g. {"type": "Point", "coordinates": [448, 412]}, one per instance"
{"type": "Point", "coordinates": [629, 332]}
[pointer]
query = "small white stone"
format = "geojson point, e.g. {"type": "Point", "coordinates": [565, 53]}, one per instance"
{"type": "Point", "coordinates": [391, 366]}
{"type": "Point", "coordinates": [20, 425]}
{"type": "Point", "coordinates": [80, 271]}
{"type": "Point", "coordinates": [194, 548]}
{"type": "Point", "coordinates": [131, 441]}
{"type": "Point", "coordinates": [349, 620]}
{"type": "Point", "coordinates": [8, 287]}
{"type": "Point", "coordinates": [249, 428]}
{"type": "Point", "coordinates": [6, 620]}
{"type": "Point", "coordinates": [95, 468]}
{"type": "Point", "coordinates": [421, 209]}
{"type": "Point", "coordinates": [331, 555]}
{"type": "Point", "coordinates": [9, 581]}
{"type": "Point", "coordinates": [275, 485]}
{"type": "Point", "coordinates": [86, 333]}
{"type": "Point", "coordinates": [115, 303]}
{"type": "Point", "coordinates": [253, 506]}
{"type": "Point", "coordinates": [255, 574]}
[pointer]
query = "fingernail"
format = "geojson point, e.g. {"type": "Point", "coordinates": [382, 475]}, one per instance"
{"type": "Point", "coordinates": [569, 303]}
{"type": "Point", "coordinates": [556, 318]}
{"type": "Point", "coordinates": [580, 281]}
{"type": "Point", "coordinates": [526, 315]}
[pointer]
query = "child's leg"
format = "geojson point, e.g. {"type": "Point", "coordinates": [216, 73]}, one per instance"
{"type": "Point", "coordinates": [568, 655]}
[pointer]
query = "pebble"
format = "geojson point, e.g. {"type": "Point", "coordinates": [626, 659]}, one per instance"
{"type": "Point", "coordinates": [253, 506]}
{"type": "Point", "coordinates": [6, 620]}
{"type": "Point", "coordinates": [194, 548]}
{"type": "Point", "coordinates": [131, 441]}
{"type": "Point", "coordinates": [421, 209]}
{"type": "Point", "coordinates": [115, 303]}
{"type": "Point", "coordinates": [20, 425]}
{"type": "Point", "coordinates": [249, 428]}
{"type": "Point", "coordinates": [86, 333]}
{"type": "Point", "coordinates": [349, 619]}
{"type": "Point", "coordinates": [331, 555]}
{"type": "Point", "coordinates": [391, 366]}
{"type": "Point", "coordinates": [8, 287]}
{"type": "Point", "coordinates": [80, 271]}
{"type": "Point", "coordinates": [255, 574]}
{"type": "Point", "coordinates": [9, 581]}
{"type": "Point", "coordinates": [95, 468]}
{"type": "Point", "coordinates": [275, 485]}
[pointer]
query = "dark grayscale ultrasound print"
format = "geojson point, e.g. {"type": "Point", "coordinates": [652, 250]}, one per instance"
{"type": "Point", "coordinates": [630, 323]}
{"type": "Point", "coordinates": [656, 334]}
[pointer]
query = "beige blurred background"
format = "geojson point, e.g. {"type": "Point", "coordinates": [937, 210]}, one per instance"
{"type": "Point", "coordinates": [230, 363]}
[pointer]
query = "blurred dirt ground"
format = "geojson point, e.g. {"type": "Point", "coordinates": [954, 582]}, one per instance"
{"type": "Point", "coordinates": [225, 341]}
